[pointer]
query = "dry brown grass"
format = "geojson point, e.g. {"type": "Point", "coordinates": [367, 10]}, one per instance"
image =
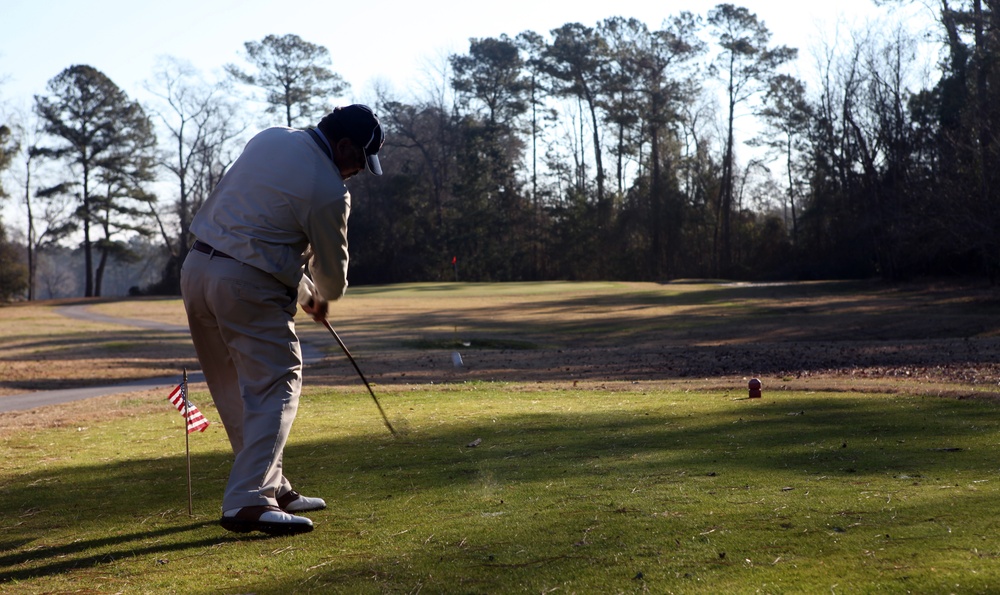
{"type": "Point", "coordinates": [79, 414]}
{"type": "Point", "coordinates": [41, 349]}
{"type": "Point", "coordinates": [939, 339]}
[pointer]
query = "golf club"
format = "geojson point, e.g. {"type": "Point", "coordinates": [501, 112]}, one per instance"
{"type": "Point", "coordinates": [340, 342]}
{"type": "Point", "coordinates": [306, 300]}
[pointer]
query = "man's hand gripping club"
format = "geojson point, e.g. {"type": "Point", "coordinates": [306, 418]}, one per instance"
{"type": "Point", "coordinates": [312, 303]}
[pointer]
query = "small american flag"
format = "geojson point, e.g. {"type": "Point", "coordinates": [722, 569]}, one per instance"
{"type": "Point", "coordinates": [196, 422]}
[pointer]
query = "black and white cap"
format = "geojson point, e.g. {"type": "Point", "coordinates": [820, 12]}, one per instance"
{"type": "Point", "coordinates": [362, 126]}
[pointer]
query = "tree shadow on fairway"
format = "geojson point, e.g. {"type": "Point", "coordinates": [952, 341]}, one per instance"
{"type": "Point", "coordinates": [736, 313]}
{"type": "Point", "coordinates": [71, 518]}
{"type": "Point", "coordinates": [787, 331]}
{"type": "Point", "coordinates": [78, 554]}
{"type": "Point", "coordinates": [431, 483]}
{"type": "Point", "coordinates": [833, 329]}
{"type": "Point", "coordinates": [818, 435]}
{"type": "Point", "coordinates": [546, 497]}
{"type": "Point", "coordinates": [137, 353]}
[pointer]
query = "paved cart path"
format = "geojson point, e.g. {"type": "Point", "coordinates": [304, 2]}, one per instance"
{"type": "Point", "coordinates": [32, 400]}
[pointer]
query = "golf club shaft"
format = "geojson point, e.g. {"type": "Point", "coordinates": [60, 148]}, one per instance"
{"type": "Point", "coordinates": [340, 342]}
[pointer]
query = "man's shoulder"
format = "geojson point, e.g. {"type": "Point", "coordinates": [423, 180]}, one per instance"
{"type": "Point", "coordinates": [278, 132]}
{"type": "Point", "coordinates": [278, 138]}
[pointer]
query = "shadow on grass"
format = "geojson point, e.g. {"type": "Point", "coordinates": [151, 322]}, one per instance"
{"type": "Point", "coordinates": [778, 330]}
{"type": "Point", "coordinates": [727, 448]}
{"type": "Point", "coordinates": [833, 311]}
{"type": "Point", "coordinates": [134, 350]}
{"type": "Point", "coordinates": [45, 561]}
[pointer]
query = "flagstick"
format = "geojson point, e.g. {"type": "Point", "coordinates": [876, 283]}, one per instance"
{"type": "Point", "coordinates": [187, 440]}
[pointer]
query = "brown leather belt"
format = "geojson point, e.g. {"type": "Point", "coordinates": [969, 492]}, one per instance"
{"type": "Point", "coordinates": [201, 246]}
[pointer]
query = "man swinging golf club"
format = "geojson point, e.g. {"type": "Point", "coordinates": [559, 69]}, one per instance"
{"type": "Point", "coordinates": [281, 203]}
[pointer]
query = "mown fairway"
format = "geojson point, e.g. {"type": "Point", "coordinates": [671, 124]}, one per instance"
{"type": "Point", "coordinates": [598, 440]}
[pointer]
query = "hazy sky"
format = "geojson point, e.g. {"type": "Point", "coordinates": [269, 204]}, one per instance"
{"type": "Point", "coordinates": [394, 41]}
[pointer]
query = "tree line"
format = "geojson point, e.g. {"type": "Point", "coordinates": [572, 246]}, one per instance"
{"type": "Point", "coordinates": [610, 151]}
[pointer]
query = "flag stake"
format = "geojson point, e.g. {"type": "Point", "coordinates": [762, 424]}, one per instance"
{"type": "Point", "coordinates": [187, 441]}
{"type": "Point", "coordinates": [179, 399]}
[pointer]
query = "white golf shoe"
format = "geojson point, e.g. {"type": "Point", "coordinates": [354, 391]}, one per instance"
{"type": "Point", "coordinates": [267, 519]}
{"type": "Point", "coordinates": [296, 502]}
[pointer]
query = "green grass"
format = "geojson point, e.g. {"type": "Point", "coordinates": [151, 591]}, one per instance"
{"type": "Point", "coordinates": [612, 490]}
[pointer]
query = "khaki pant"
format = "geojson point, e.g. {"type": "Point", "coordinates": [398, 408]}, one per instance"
{"type": "Point", "coordinates": [244, 335]}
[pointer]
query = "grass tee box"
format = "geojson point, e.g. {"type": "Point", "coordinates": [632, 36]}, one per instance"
{"type": "Point", "coordinates": [597, 440]}
{"type": "Point", "coordinates": [615, 489]}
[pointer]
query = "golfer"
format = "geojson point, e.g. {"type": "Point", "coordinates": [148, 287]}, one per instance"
{"type": "Point", "coordinates": [281, 207]}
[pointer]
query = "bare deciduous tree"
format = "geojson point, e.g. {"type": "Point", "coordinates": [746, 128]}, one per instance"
{"type": "Point", "coordinates": [202, 123]}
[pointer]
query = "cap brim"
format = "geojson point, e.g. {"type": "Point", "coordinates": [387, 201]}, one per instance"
{"type": "Point", "coordinates": [374, 166]}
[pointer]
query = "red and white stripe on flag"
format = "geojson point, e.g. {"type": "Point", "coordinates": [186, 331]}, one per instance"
{"type": "Point", "coordinates": [196, 422]}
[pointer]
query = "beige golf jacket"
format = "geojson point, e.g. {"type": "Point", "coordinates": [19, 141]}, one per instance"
{"type": "Point", "coordinates": [282, 196]}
